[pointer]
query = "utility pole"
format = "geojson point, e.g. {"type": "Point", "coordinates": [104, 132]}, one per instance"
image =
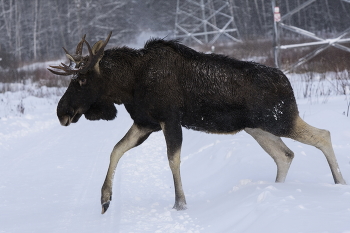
{"type": "Point", "coordinates": [276, 35]}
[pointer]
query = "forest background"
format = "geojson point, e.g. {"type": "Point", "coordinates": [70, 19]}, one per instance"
{"type": "Point", "coordinates": [36, 30]}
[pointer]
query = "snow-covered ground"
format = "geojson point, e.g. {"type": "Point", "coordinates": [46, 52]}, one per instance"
{"type": "Point", "coordinates": [50, 177]}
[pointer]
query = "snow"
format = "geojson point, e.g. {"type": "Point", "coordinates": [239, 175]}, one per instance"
{"type": "Point", "coordinates": [51, 176]}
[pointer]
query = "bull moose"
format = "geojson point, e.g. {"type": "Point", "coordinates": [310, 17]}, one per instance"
{"type": "Point", "coordinates": [166, 86]}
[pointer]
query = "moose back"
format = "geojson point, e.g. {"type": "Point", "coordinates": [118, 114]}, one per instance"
{"type": "Point", "coordinates": [166, 86]}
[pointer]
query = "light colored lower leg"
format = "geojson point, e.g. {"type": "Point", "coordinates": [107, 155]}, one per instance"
{"type": "Point", "coordinates": [275, 147]}
{"type": "Point", "coordinates": [174, 163]}
{"type": "Point", "coordinates": [321, 139]}
{"type": "Point", "coordinates": [130, 140]}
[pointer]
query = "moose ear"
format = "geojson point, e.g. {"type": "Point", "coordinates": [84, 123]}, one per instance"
{"type": "Point", "coordinates": [97, 46]}
{"type": "Point", "coordinates": [101, 111]}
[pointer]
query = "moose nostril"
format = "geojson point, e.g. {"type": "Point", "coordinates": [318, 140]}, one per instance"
{"type": "Point", "coordinates": [70, 112]}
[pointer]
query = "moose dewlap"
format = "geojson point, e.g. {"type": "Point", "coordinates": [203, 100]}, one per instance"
{"type": "Point", "coordinates": [166, 86]}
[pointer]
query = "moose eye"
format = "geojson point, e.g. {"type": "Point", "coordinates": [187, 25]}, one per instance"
{"type": "Point", "coordinates": [82, 82]}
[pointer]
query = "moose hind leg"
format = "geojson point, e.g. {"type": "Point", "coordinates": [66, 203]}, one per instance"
{"type": "Point", "coordinates": [275, 147]}
{"type": "Point", "coordinates": [321, 139]}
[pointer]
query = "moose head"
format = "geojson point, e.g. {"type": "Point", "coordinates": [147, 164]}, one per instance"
{"type": "Point", "coordinates": [85, 93]}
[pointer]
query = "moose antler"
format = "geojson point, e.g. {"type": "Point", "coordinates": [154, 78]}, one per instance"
{"type": "Point", "coordinates": [79, 49]}
{"type": "Point", "coordinates": [92, 60]}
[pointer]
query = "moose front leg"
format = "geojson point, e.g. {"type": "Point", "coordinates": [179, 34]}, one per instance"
{"type": "Point", "coordinates": [173, 137]}
{"type": "Point", "coordinates": [134, 137]}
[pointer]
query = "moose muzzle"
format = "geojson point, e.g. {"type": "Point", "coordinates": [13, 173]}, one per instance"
{"type": "Point", "coordinates": [69, 116]}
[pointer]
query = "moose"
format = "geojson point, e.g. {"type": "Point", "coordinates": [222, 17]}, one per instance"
{"type": "Point", "coordinates": [166, 86]}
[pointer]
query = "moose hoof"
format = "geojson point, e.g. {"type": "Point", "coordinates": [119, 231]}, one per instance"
{"type": "Point", "coordinates": [105, 207]}
{"type": "Point", "coordinates": [180, 206]}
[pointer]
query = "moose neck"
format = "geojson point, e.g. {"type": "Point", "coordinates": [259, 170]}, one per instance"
{"type": "Point", "coordinates": [118, 68]}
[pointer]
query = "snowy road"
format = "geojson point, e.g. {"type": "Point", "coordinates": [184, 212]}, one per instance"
{"type": "Point", "coordinates": [50, 179]}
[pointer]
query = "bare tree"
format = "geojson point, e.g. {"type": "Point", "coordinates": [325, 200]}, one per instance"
{"type": "Point", "coordinates": [35, 28]}
{"type": "Point", "coordinates": [31, 29]}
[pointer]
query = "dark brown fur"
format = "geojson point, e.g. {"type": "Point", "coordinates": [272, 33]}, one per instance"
{"type": "Point", "coordinates": [167, 85]}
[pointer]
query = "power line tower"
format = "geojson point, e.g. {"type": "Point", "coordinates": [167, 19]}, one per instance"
{"type": "Point", "coordinates": [319, 43]}
{"type": "Point", "coordinates": [205, 21]}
